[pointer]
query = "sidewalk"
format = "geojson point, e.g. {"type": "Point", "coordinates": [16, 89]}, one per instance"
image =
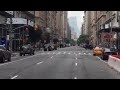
{"type": "Point", "coordinates": [17, 53]}
{"type": "Point", "coordinates": [14, 54]}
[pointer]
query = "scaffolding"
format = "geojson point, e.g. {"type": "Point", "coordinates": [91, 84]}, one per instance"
{"type": "Point", "coordinates": [3, 32]}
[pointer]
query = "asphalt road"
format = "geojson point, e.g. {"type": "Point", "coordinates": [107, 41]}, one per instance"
{"type": "Point", "coordinates": [65, 63]}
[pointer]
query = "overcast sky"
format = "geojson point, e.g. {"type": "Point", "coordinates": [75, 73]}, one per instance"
{"type": "Point", "coordinates": [79, 15]}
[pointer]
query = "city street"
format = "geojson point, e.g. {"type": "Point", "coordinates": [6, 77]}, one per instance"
{"type": "Point", "coordinates": [65, 63]}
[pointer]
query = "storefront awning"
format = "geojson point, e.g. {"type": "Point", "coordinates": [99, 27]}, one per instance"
{"type": "Point", "coordinates": [109, 30]}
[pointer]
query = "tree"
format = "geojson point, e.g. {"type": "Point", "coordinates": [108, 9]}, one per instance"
{"type": "Point", "coordinates": [83, 39]}
{"type": "Point", "coordinates": [35, 35]}
{"type": "Point", "coordinates": [73, 42]}
{"type": "Point", "coordinates": [67, 41]}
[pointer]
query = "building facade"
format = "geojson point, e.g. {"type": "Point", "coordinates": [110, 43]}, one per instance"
{"type": "Point", "coordinates": [24, 24]}
{"type": "Point", "coordinates": [22, 28]}
{"type": "Point", "coordinates": [4, 27]}
{"type": "Point", "coordinates": [92, 34]}
{"type": "Point", "coordinates": [104, 28]}
{"type": "Point", "coordinates": [68, 31]}
{"type": "Point", "coordinates": [87, 20]}
{"type": "Point", "coordinates": [41, 19]}
{"type": "Point", "coordinates": [65, 23]}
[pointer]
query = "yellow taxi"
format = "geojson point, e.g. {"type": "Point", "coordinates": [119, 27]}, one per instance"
{"type": "Point", "coordinates": [97, 51]}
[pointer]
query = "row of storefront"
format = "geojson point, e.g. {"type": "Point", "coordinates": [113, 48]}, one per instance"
{"type": "Point", "coordinates": [109, 35]}
{"type": "Point", "coordinates": [21, 29]}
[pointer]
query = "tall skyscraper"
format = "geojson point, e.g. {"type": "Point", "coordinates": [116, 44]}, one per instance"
{"type": "Point", "coordinates": [73, 23]}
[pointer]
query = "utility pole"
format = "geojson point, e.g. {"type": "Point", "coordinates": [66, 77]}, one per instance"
{"type": "Point", "coordinates": [10, 33]}
{"type": "Point", "coordinates": [111, 31]}
{"type": "Point", "coordinates": [118, 33]}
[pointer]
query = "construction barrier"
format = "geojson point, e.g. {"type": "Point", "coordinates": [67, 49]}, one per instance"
{"type": "Point", "coordinates": [114, 63]}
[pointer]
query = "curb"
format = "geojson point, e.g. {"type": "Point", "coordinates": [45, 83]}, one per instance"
{"type": "Point", "coordinates": [14, 54]}
{"type": "Point", "coordinates": [101, 60]}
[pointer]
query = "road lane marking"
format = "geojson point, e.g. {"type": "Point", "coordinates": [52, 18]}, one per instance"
{"type": "Point", "coordinates": [84, 53]}
{"type": "Point", "coordinates": [64, 52]}
{"type": "Point", "coordinates": [79, 53]}
{"type": "Point", "coordinates": [58, 53]}
{"type": "Point", "coordinates": [52, 57]}
{"type": "Point", "coordinates": [75, 77]}
{"type": "Point", "coordinates": [39, 63]}
{"type": "Point", "coordinates": [69, 53]}
{"type": "Point", "coordinates": [14, 77]}
{"type": "Point", "coordinates": [76, 58]}
{"type": "Point", "coordinates": [48, 53]}
{"type": "Point", "coordinates": [75, 64]}
{"type": "Point", "coordinates": [101, 59]}
{"type": "Point", "coordinates": [89, 53]}
{"type": "Point", "coordinates": [53, 52]}
{"type": "Point", "coordinates": [42, 53]}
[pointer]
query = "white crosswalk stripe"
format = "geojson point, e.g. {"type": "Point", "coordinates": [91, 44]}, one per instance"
{"type": "Point", "coordinates": [90, 54]}
{"type": "Point", "coordinates": [68, 52]}
{"type": "Point", "coordinates": [42, 53]}
{"type": "Point", "coordinates": [48, 53]}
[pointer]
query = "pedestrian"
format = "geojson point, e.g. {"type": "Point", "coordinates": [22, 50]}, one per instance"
{"type": "Point", "coordinates": [21, 48]}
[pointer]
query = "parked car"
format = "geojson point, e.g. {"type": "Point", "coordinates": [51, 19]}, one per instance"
{"type": "Point", "coordinates": [50, 47]}
{"type": "Point", "coordinates": [55, 46]}
{"type": "Point", "coordinates": [27, 49]}
{"type": "Point", "coordinates": [61, 45]}
{"type": "Point", "coordinates": [4, 54]}
{"type": "Point", "coordinates": [97, 51]}
{"type": "Point", "coordinates": [67, 45]}
{"type": "Point", "coordinates": [86, 46]}
{"type": "Point", "coordinates": [107, 52]}
{"type": "Point", "coordinates": [90, 47]}
{"type": "Point", "coordinates": [45, 47]}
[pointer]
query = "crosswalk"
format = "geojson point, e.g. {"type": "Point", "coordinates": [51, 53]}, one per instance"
{"type": "Point", "coordinates": [67, 52]}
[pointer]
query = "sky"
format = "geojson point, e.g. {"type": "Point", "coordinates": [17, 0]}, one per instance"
{"type": "Point", "coordinates": [79, 15]}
